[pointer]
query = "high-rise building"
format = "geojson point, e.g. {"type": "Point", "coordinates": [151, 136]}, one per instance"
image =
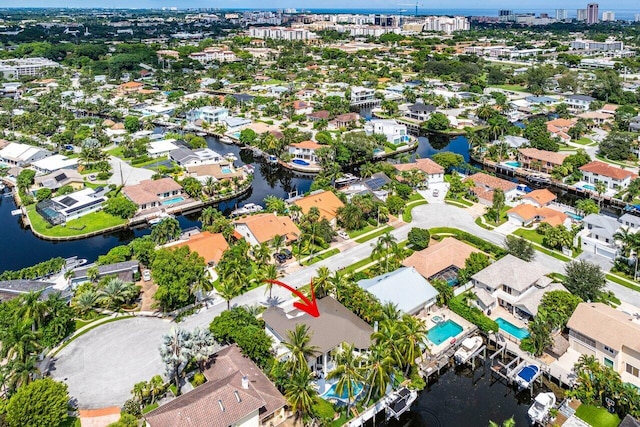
{"type": "Point", "coordinates": [636, 17]}
{"type": "Point", "coordinates": [608, 16]}
{"type": "Point", "coordinates": [581, 15]}
{"type": "Point", "coordinates": [506, 15]}
{"type": "Point", "coordinates": [562, 14]}
{"type": "Point", "coordinates": [592, 13]}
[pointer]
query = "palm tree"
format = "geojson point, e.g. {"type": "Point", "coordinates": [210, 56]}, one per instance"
{"type": "Point", "coordinates": [32, 308]}
{"type": "Point", "coordinates": [300, 393]}
{"type": "Point", "coordinates": [379, 370]}
{"type": "Point", "coordinates": [322, 282]}
{"type": "Point", "coordinates": [390, 335]}
{"type": "Point", "coordinates": [414, 339]}
{"type": "Point", "coordinates": [175, 352]}
{"type": "Point", "coordinates": [116, 292]}
{"type": "Point", "coordinates": [278, 242]}
{"type": "Point", "coordinates": [92, 274]}
{"type": "Point", "coordinates": [295, 212]}
{"type": "Point", "coordinates": [19, 341]}
{"type": "Point", "coordinates": [269, 272]}
{"type": "Point", "coordinates": [200, 287]}
{"type": "Point", "coordinates": [348, 370]}
{"type": "Point", "coordinates": [262, 253]}
{"type": "Point", "coordinates": [298, 343]}
{"type": "Point", "coordinates": [626, 238]}
{"type": "Point", "coordinates": [390, 311]}
{"type": "Point", "coordinates": [228, 290]}
{"type": "Point", "coordinates": [350, 217]}
{"type": "Point", "coordinates": [339, 282]}
{"type": "Point", "coordinates": [383, 247]}
{"type": "Point", "coordinates": [203, 346]}
{"type": "Point", "coordinates": [601, 188]}
{"type": "Point", "coordinates": [156, 387]}
{"type": "Point", "coordinates": [22, 372]}
{"type": "Point", "coordinates": [85, 301]}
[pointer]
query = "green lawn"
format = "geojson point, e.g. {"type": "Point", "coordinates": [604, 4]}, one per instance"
{"type": "Point", "coordinates": [322, 256]}
{"type": "Point", "coordinates": [81, 322]}
{"type": "Point", "coordinates": [415, 197]}
{"type": "Point", "coordinates": [515, 88]}
{"type": "Point", "coordinates": [378, 233]}
{"type": "Point", "coordinates": [529, 234]}
{"type": "Point", "coordinates": [150, 407]}
{"type": "Point", "coordinates": [503, 217]}
{"type": "Point", "coordinates": [481, 223]}
{"type": "Point", "coordinates": [621, 281]}
{"type": "Point", "coordinates": [89, 223]}
{"type": "Point", "coordinates": [117, 152]}
{"type": "Point", "coordinates": [597, 417]}
{"type": "Point", "coordinates": [583, 141]}
{"type": "Point", "coordinates": [357, 233]}
{"type": "Point", "coordinates": [406, 214]}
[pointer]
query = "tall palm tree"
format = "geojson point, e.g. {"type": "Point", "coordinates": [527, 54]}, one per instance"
{"type": "Point", "coordinates": [627, 239]}
{"type": "Point", "coordinates": [379, 370]}
{"type": "Point", "coordinates": [32, 308]}
{"type": "Point", "coordinates": [228, 290]}
{"type": "Point", "coordinates": [414, 340]}
{"type": "Point", "coordinates": [390, 335]}
{"type": "Point", "coordinates": [339, 282]}
{"type": "Point", "coordinates": [269, 272]}
{"type": "Point", "coordinates": [300, 393]}
{"type": "Point", "coordinates": [156, 387]}
{"type": "Point", "coordinates": [22, 372]}
{"type": "Point", "coordinates": [278, 242]}
{"type": "Point", "coordinates": [322, 282]}
{"type": "Point", "coordinates": [200, 287]}
{"type": "Point", "coordinates": [262, 253]}
{"type": "Point", "coordinates": [601, 188]}
{"type": "Point", "coordinates": [348, 371]}
{"type": "Point", "coordinates": [116, 292]}
{"type": "Point", "coordinates": [175, 352]}
{"type": "Point", "coordinates": [390, 311]}
{"type": "Point", "coordinates": [298, 343]}
{"type": "Point", "coordinates": [19, 341]}
{"type": "Point", "coordinates": [382, 248]}
{"type": "Point", "coordinates": [85, 301]}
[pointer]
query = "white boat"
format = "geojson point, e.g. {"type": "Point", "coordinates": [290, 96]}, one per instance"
{"type": "Point", "coordinates": [272, 159]}
{"type": "Point", "coordinates": [249, 208]}
{"type": "Point", "coordinates": [201, 133]}
{"type": "Point", "coordinates": [541, 407]}
{"type": "Point", "coordinates": [467, 348]}
{"type": "Point", "coordinates": [526, 375]}
{"type": "Point", "coordinates": [250, 169]}
{"type": "Point", "coordinates": [225, 139]}
{"type": "Point", "coordinates": [158, 219]}
{"type": "Point", "coordinates": [231, 157]}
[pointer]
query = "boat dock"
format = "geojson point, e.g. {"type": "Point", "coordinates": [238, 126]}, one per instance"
{"type": "Point", "coordinates": [393, 405]}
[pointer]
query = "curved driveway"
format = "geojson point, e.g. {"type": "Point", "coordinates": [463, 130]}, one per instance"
{"type": "Point", "coordinates": [102, 365]}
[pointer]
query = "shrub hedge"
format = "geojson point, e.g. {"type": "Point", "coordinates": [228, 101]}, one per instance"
{"type": "Point", "coordinates": [473, 314]}
{"type": "Point", "coordinates": [476, 241]}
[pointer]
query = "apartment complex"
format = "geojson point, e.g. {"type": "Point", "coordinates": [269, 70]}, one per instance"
{"type": "Point", "coordinates": [12, 68]}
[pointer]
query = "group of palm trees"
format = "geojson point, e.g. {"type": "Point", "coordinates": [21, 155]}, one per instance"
{"type": "Point", "coordinates": [111, 294]}
{"type": "Point", "coordinates": [397, 345]}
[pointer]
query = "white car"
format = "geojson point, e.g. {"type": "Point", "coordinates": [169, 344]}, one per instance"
{"type": "Point", "coordinates": [343, 234]}
{"type": "Point", "coordinates": [146, 275]}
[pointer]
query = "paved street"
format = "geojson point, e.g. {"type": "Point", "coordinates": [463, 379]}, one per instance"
{"type": "Point", "coordinates": [102, 365]}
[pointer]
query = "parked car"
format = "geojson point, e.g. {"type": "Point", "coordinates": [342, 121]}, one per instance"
{"type": "Point", "coordinates": [343, 234]}
{"type": "Point", "coordinates": [435, 192]}
{"type": "Point", "coordinates": [280, 258]}
{"type": "Point", "coordinates": [287, 253]}
{"type": "Point", "coordinates": [146, 275]}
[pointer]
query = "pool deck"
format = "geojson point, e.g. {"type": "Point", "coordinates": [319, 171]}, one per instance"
{"type": "Point", "coordinates": [445, 314]}
{"type": "Point", "coordinates": [506, 315]}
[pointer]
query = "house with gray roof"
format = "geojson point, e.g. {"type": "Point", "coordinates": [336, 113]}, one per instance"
{"type": "Point", "coordinates": [514, 284]}
{"type": "Point", "coordinates": [404, 287]}
{"type": "Point", "coordinates": [420, 111]}
{"type": "Point", "coordinates": [597, 235]}
{"type": "Point", "coordinates": [125, 270]}
{"type": "Point", "coordinates": [630, 221]}
{"type": "Point", "coordinates": [579, 103]}
{"type": "Point", "coordinates": [335, 325]}
{"type": "Point", "coordinates": [10, 289]}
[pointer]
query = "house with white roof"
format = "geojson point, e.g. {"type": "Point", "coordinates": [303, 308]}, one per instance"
{"type": "Point", "coordinates": [393, 131]}
{"type": "Point", "coordinates": [54, 163]}
{"type": "Point", "coordinates": [208, 114]}
{"type": "Point", "coordinates": [186, 157]}
{"type": "Point", "coordinates": [630, 221]}
{"type": "Point", "coordinates": [161, 148]}
{"type": "Point", "coordinates": [404, 287]}
{"type": "Point", "coordinates": [18, 154]}
{"type": "Point", "coordinates": [71, 206]}
{"type": "Point", "coordinates": [597, 235]}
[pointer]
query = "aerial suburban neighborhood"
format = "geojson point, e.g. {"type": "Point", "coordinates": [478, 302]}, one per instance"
{"type": "Point", "coordinates": [314, 217]}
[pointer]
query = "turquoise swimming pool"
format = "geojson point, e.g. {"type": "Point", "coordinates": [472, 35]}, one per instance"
{"type": "Point", "coordinates": [225, 170]}
{"type": "Point", "coordinates": [589, 187]}
{"type": "Point", "coordinates": [443, 332]}
{"type": "Point", "coordinates": [332, 393]}
{"type": "Point", "coordinates": [173, 200]}
{"type": "Point", "coordinates": [513, 164]}
{"type": "Point", "coordinates": [512, 329]}
{"type": "Point", "coordinates": [573, 216]}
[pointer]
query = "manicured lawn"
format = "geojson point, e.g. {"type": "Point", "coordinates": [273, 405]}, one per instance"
{"type": "Point", "coordinates": [378, 233]}
{"type": "Point", "coordinates": [406, 214]}
{"type": "Point", "coordinates": [620, 281]}
{"type": "Point", "coordinates": [150, 407]}
{"type": "Point", "coordinates": [463, 202]}
{"type": "Point", "coordinates": [117, 152]}
{"type": "Point", "coordinates": [81, 322]}
{"type": "Point", "coordinates": [356, 233]}
{"type": "Point", "coordinates": [479, 222]}
{"type": "Point", "coordinates": [503, 217]}
{"type": "Point", "coordinates": [89, 223]}
{"type": "Point", "coordinates": [583, 141]}
{"type": "Point", "coordinates": [516, 88]}
{"type": "Point", "coordinates": [322, 256]}
{"type": "Point", "coordinates": [597, 417]}
{"type": "Point", "coordinates": [415, 197]}
{"type": "Point", "coordinates": [531, 235]}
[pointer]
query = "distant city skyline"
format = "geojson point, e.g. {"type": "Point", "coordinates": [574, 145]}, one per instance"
{"type": "Point", "coordinates": [532, 5]}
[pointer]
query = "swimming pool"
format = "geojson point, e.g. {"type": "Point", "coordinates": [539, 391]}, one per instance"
{"type": "Point", "coordinates": [512, 329]}
{"type": "Point", "coordinates": [300, 162]}
{"type": "Point", "coordinates": [173, 200]}
{"type": "Point", "coordinates": [573, 216]}
{"type": "Point", "coordinates": [513, 164]}
{"type": "Point", "coordinates": [332, 393]}
{"type": "Point", "coordinates": [589, 187]}
{"type": "Point", "coordinates": [443, 331]}
{"type": "Point", "coordinates": [225, 170]}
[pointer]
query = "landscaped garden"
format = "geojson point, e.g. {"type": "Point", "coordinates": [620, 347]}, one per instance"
{"type": "Point", "coordinates": [89, 223]}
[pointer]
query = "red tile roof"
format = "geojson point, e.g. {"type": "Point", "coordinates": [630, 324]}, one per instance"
{"type": "Point", "coordinates": [607, 170]}
{"type": "Point", "coordinates": [543, 155]}
{"type": "Point", "coordinates": [427, 166]}
{"type": "Point", "coordinates": [491, 182]}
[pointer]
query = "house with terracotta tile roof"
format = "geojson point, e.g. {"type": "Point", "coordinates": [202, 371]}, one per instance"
{"type": "Point", "coordinates": [595, 118]}
{"type": "Point", "coordinates": [442, 260]}
{"type": "Point", "coordinates": [326, 202]}
{"type": "Point", "coordinates": [434, 172]}
{"type": "Point", "coordinates": [346, 120]}
{"type": "Point", "coordinates": [610, 335]}
{"type": "Point", "coordinates": [130, 87]}
{"type": "Point", "coordinates": [525, 214]}
{"type": "Point", "coordinates": [209, 246]}
{"type": "Point", "coordinates": [540, 160]}
{"type": "Point", "coordinates": [614, 177]}
{"type": "Point", "coordinates": [152, 193]}
{"type": "Point", "coordinates": [539, 198]}
{"type": "Point", "coordinates": [237, 393]}
{"type": "Point", "coordinates": [316, 116]}
{"type": "Point", "coordinates": [262, 228]}
{"type": "Point", "coordinates": [484, 185]}
{"type": "Point", "coordinates": [305, 150]}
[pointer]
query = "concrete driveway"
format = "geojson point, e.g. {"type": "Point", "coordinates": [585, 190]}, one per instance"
{"type": "Point", "coordinates": [124, 173]}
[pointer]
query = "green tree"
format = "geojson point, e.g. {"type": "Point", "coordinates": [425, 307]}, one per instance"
{"type": "Point", "coordinates": [437, 122]}
{"type": "Point", "coordinates": [228, 290]}
{"type": "Point", "coordinates": [476, 262]}
{"type": "Point", "coordinates": [379, 371]}
{"type": "Point", "coordinates": [448, 160]}
{"type": "Point", "coordinates": [616, 146]}
{"type": "Point", "coordinates": [132, 124]}
{"type": "Point", "coordinates": [584, 279]}
{"type": "Point", "coordinates": [445, 291]}
{"type": "Point", "coordinates": [348, 371]}
{"type": "Point", "coordinates": [498, 204]}
{"type": "Point", "coordinates": [176, 271]}
{"type": "Point", "coordinates": [121, 207]}
{"type": "Point", "coordinates": [43, 194]}
{"type": "Point", "coordinates": [43, 403]}
{"type": "Point", "coordinates": [166, 231]}
{"type": "Point", "coordinates": [301, 350]}
{"type": "Point", "coordinates": [520, 247]}
{"type": "Point", "coordinates": [506, 423]}
{"type": "Point", "coordinates": [586, 207]}
{"type": "Point", "coordinates": [419, 238]}
{"type": "Point", "coordinates": [192, 187]}
{"type": "Point", "coordinates": [300, 393]}
{"type": "Point", "coordinates": [143, 249]}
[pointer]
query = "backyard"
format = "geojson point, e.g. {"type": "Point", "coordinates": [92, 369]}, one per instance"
{"type": "Point", "coordinates": [598, 417]}
{"type": "Point", "coordinates": [89, 223]}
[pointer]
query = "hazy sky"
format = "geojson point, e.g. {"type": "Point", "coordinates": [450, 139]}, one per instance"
{"type": "Point", "coordinates": [534, 5]}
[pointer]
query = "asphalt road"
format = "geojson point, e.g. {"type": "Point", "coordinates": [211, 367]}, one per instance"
{"type": "Point", "coordinates": [101, 366]}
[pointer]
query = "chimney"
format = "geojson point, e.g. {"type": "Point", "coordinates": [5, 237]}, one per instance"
{"type": "Point", "coordinates": [245, 382]}
{"type": "Point", "coordinates": [221, 405]}
{"type": "Point", "coordinates": [235, 392]}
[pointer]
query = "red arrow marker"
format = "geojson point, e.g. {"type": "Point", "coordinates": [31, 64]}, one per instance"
{"type": "Point", "coordinates": [308, 306]}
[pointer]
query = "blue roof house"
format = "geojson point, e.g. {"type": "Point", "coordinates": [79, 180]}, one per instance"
{"type": "Point", "coordinates": [404, 287]}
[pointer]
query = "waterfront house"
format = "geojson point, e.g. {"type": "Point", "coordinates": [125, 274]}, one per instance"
{"type": "Point", "coordinates": [10, 289]}
{"type": "Point", "coordinates": [539, 198]}
{"type": "Point", "coordinates": [18, 154]}
{"type": "Point", "coordinates": [614, 177]}
{"type": "Point", "coordinates": [326, 202]}
{"type": "Point", "coordinates": [394, 132]}
{"type": "Point", "coordinates": [434, 173]}
{"type": "Point", "coordinates": [484, 185]}
{"type": "Point", "coordinates": [219, 171]}
{"type": "Point", "coordinates": [58, 179]}
{"type": "Point", "coordinates": [539, 160]}
{"type": "Point", "coordinates": [54, 163]}
{"type": "Point", "coordinates": [186, 157]}
{"type": "Point", "coordinates": [514, 284]}
{"type": "Point", "coordinates": [125, 271]}
{"type": "Point", "coordinates": [305, 150]}
{"type": "Point", "coordinates": [608, 334]}
{"type": "Point", "coordinates": [237, 393]}
{"type": "Point", "coordinates": [161, 148]}
{"type": "Point", "coordinates": [579, 103]}
{"type": "Point", "coordinates": [420, 111]}
{"type": "Point", "coordinates": [153, 193]}
{"type": "Point", "coordinates": [526, 214]}
{"type": "Point", "coordinates": [61, 209]}
{"type": "Point", "coordinates": [374, 185]}
{"type": "Point", "coordinates": [262, 228]}
{"type": "Point", "coordinates": [597, 235]}
{"type": "Point", "coordinates": [335, 325]}
{"type": "Point", "coordinates": [208, 114]}
{"type": "Point", "coordinates": [441, 260]}
{"type": "Point", "coordinates": [208, 245]}
{"type": "Point", "coordinates": [630, 221]}
{"type": "Point", "coordinates": [405, 288]}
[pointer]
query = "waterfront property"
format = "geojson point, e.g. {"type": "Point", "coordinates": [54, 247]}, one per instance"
{"type": "Point", "coordinates": [237, 393]}
{"type": "Point", "coordinates": [443, 331]}
{"type": "Point", "coordinates": [262, 228]}
{"type": "Point", "coordinates": [612, 336]}
{"type": "Point", "coordinates": [186, 157]}
{"type": "Point", "coordinates": [125, 271]}
{"type": "Point", "coordinates": [326, 202]}
{"type": "Point", "coordinates": [615, 178]}
{"type": "Point", "coordinates": [18, 154]}
{"type": "Point", "coordinates": [484, 185]}
{"type": "Point", "coordinates": [540, 160]}
{"type": "Point", "coordinates": [218, 171]}
{"type": "Point", "coordinates": [335, 325]}
{"type": "Point", "coordinates": [71, 206]}
{"type": "Point", "coordinates": [514, 284]}
{"type": "Point", "coordinates": [405, 288]}
{"type": "Point", "coordinates": [394, 132]}
{"type": "Point", "coordinates": [539, 198]}
{"type": "Point", "coordinates": [150, 194]}
{"type": "Point", "coordinates": [10, 289]}
{"type": "Point", "coordinates": [161, 148]}
{"type": "Point", "coordinates": [305, 150]}
{"type": "Point", "coordinates": [434, 173]}
{"type": "Point", "coordinates": [526, 214]}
